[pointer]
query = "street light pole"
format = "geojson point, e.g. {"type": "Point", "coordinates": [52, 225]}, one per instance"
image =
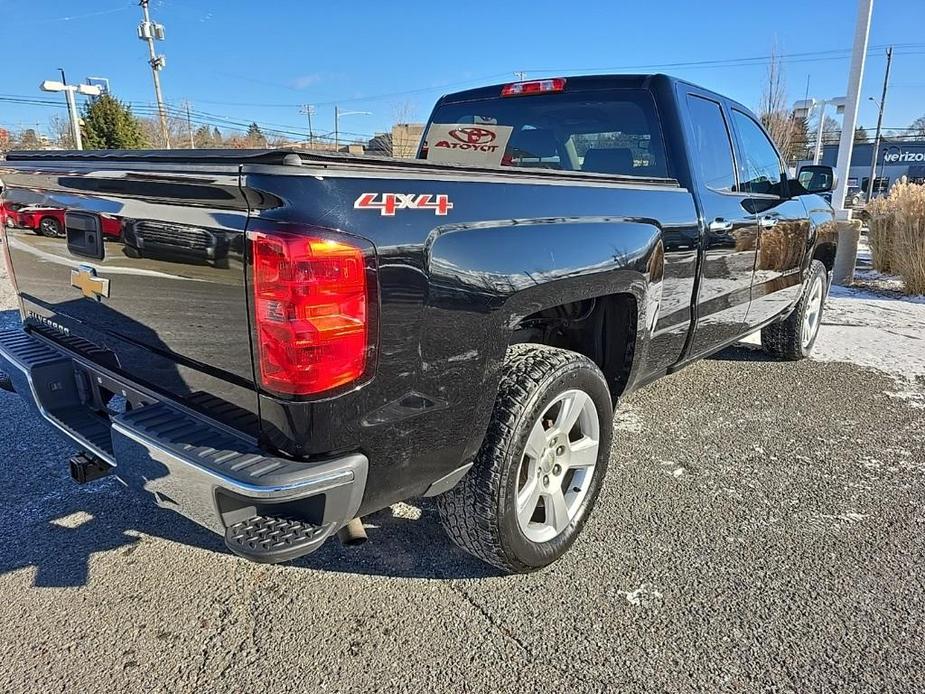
{"type": "Point", "coordinates": [148, 31]}
{"type": "Point", "coordinates": [881, 104]}
{"type": "Point", "coordinates": [855, 77]}
{"type": "Point", "coordinates": [72, 116]}
{"type": "Point", "coordinates": [817, 155]}
{"type": "Point", "coordinates": [338, 114]}
{"type": "Point", "coordinates": [69, 90]}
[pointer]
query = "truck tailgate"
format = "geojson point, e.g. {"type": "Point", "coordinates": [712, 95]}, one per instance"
{"type": "Point", "coordinates": [141, 271]}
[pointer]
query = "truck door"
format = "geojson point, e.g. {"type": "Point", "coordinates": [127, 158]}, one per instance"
{"type": "Point", "coordinates": [730, 233]}
{"type": "Point", "coordinates": [783, 225]}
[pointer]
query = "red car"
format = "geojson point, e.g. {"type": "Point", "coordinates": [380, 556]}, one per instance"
{"type": "Point", "coordinates": [49, 221]}
{"type": "Point", "coordinates": [8, 216]}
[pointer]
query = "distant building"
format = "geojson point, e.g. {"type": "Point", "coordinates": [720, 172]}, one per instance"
{"type": "Point", "coordinates": [894, 160]}
{"type": "Point", "coordinates": [405, 139]}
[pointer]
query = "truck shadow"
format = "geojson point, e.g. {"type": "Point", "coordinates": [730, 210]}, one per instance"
{"type": "Point", "coordinates": [55, 528]}
{"type": "Point", "coordinates": [742, 351]}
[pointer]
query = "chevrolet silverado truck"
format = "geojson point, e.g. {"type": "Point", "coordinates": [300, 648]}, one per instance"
{"type": "Point", "coordinates": [281, 342]}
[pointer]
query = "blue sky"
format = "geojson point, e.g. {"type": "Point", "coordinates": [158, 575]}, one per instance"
{"type": "Point", "coordinates": [246, 61]}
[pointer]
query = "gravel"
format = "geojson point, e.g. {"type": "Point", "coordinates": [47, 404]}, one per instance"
{"type": "Point", "coordinates": [761, 529]}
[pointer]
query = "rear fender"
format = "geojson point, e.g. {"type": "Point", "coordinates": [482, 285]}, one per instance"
{"type": "Point", "coordinates": [483, 282]}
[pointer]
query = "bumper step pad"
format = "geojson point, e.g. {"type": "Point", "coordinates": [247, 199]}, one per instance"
{"type": "Point", "coordinates": [270, 540]}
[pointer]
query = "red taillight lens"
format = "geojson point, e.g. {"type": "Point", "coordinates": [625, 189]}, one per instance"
{"type": "Point", "coordinates": [311, 312]}
{"type": "Point", "coordinates": [556, 84]}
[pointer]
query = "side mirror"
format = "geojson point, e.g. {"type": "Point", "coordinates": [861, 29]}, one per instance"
{"type": "Point", "coordinates": [816, 178]}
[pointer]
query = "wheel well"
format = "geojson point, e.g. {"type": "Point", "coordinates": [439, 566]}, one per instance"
{"type": "Point", "coordinates": [825, 252]}
{"type": "Point", "coordinates": [602, 328]}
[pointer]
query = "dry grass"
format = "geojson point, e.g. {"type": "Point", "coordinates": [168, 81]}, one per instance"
{"type": "Point", "coordinates": [897, 234]}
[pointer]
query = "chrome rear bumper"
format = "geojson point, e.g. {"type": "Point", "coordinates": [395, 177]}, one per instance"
{"type": "Point", "coordinates": [188, 463]}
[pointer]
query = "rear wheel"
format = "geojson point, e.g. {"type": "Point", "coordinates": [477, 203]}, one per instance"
{"type": "Point", "coordinates": [49, 226]}
{"type": "Point", "coordinates": [540, 468]}
{"type": "Point", "coordinates": [794, 337]}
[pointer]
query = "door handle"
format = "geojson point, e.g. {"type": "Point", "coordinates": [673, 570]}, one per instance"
{"type": "Point", "coordinates": [719, 225]}
{"type": "Point", "coordinates": [767, 222]}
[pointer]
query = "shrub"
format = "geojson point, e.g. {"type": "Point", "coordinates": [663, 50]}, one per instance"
{"type": "Point", "coordinates": [897, 234]}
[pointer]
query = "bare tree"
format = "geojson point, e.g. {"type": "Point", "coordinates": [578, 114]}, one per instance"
{"type": "Point", "coordinates": [773, 110]}
{"type": "Point", "coordinates": [403, 139]}
{"type": "Point", "coordinates": [60, 129]}
{"type": "Point", "coordinates": [917, 129]}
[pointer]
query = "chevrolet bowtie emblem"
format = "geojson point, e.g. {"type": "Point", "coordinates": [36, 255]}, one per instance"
{"type": "Point", "coordinates": [84, 278]}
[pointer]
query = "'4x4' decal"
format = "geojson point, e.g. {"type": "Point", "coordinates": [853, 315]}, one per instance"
{"type": "Point", "coordinates": [389, 203]}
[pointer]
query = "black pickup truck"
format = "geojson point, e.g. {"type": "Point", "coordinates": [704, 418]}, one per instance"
{"type": "Point", "coordinates": [276, 343]}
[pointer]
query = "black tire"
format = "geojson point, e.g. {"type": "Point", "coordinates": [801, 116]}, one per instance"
{"type": "Point", "coordinates": [789, 339]}
{"type": "Point", "coordinates": [479, 513]}
{"type": "Point", "coordinates": [49, 226]}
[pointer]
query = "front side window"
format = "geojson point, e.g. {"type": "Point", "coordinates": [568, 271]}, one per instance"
{"type": "Point", "coordinates": [607, 131]}
{"type": "Point", "coordinates": [760, 170]}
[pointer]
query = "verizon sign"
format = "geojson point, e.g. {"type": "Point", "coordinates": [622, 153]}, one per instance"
{"type": "Point", "coordinates": [903, 156]}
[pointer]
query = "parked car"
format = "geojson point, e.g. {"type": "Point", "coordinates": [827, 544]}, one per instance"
{"type": "Point", "coordinates": [9, 215]}
{"type": "Point", "coordinates": [459, 327]}
{"type": "Point", "coordinates": [49, 221]}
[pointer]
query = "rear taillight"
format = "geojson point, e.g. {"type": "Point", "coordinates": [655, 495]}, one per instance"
{"type": "Point", "coordinates": [311, 312]}
{"type": "Point", "coordinates": [556, 84]}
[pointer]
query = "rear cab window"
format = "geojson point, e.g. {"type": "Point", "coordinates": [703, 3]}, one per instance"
{"type": "Point", "coordinates": [608, 131]}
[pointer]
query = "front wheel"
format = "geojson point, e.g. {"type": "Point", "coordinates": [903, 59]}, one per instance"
{"type": "Point", "coordinates": [793, 338]}
{"type": "Point", "coordinates": [50, 227]}
{"type": "Point", "coordinates": [541, 465]}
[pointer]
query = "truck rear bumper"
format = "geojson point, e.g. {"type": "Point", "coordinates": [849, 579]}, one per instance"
{"type": "Point", "coordinates": [268, 508]}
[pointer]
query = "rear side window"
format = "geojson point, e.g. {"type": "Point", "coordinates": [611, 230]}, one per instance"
{"type": "Point", "coordinates": [760, 169]}
{"type": "Point", "coordinates": [612, 132]}
{"type": "Point", "coordinates": [711, 144]}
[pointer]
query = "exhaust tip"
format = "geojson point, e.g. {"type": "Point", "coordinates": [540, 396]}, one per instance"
{"type": "Point", "coordinates": [353, 534]}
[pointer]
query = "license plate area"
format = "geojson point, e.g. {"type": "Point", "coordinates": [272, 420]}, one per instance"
{"type": "Point", "coordinates": [105, 394]}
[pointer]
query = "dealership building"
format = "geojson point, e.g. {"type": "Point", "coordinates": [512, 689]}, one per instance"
{"type": "Point", "coordinates": [894, 160]}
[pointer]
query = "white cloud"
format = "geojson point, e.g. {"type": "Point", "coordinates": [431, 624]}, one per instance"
{"type": "Point", "coordinates": [305, 81]}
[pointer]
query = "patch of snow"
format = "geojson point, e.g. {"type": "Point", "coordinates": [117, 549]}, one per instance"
{"type": "Point", "coordinates": [868, 329]}
{"type": "Point", "coordinates": [628, 420]}
{"type": "Point", "coordinates": [644, 596]}
{"type": "Point", "coordinates": [406, 511]}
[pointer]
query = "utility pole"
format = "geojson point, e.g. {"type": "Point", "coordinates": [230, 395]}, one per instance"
{"type": "Point", "coordinates": [148, 31]}
{"type": "Point", "coordinates": [336, 119]}
{"type": "Point", "coordinates": [309, 111]}
{"type": "Point", "coordinates": [520, 75]}
{"type": "Point", "coordinates": [189, 127]}
{"type": "Point", "coordinates": [882, 105]}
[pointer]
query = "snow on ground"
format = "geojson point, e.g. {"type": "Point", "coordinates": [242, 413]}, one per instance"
{"type": "Point", "coordinates": [874, 330]}
{"type": "Point", "coordinates": [873, 324]}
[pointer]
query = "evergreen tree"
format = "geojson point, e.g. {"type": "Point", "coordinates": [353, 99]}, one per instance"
{"type": "Point", "coordinates": [255, 136]}
{"type": "Point", "coordinates": [109, 124]}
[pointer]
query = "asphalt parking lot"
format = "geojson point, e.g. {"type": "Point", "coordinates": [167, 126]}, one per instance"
{"type": "Point", "coordinates": [762, 528]}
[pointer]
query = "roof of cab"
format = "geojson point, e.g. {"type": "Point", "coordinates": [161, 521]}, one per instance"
{"type": "Point", "coordinates": [573, 83]}
{"type": "Point", "coordinates": [589, 83]}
